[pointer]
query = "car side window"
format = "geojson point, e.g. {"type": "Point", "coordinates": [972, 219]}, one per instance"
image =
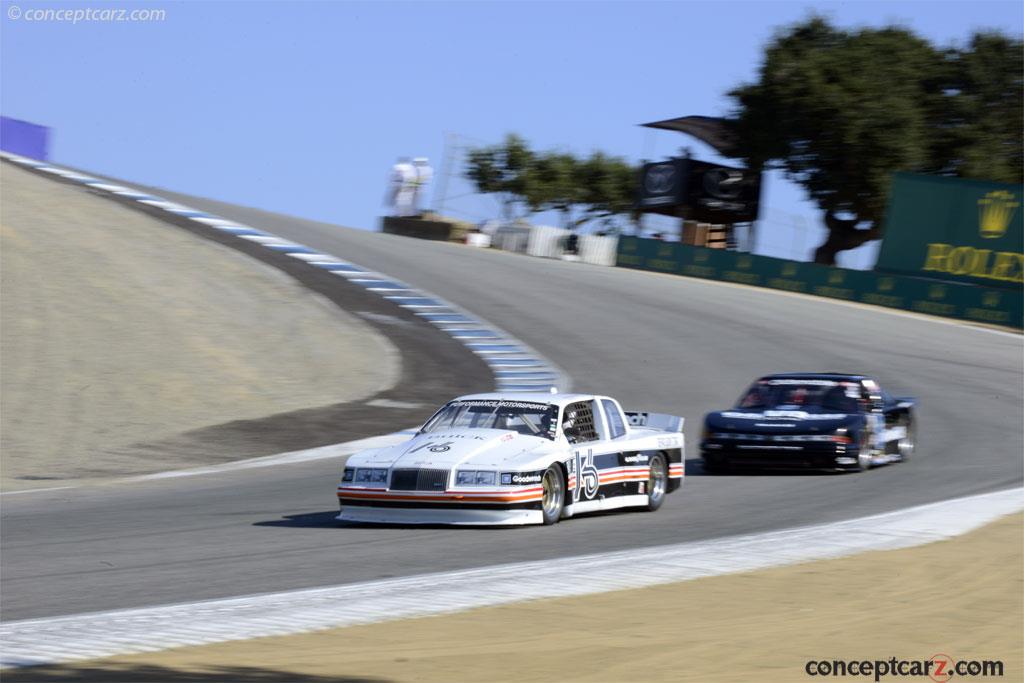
{"type": "Point", "coordinates": [600, 423]}
{"type": "Point", "coordinates": [872, 396]}
{"type": "Point", "coordinates": [578, 422]}
{"type": "Point", "coordinates": [840, 398]}
{"type": "Point", "coordinates": [614, 417]}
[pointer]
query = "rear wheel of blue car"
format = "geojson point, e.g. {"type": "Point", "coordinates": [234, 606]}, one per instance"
{"type": "Point", "coordinates": [907, 444]}
{"type": "Point", "coordinates": [865, 452]}
{"type": "Point", "coordinates": [657, 482]}
{"type": "Point", "coordinates": [554, 494]}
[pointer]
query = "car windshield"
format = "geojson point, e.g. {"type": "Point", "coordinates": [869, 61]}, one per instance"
{"type": "Point", "coordinates": [531, 419]}
{"type": "Point", "coordinates": [789, 394]}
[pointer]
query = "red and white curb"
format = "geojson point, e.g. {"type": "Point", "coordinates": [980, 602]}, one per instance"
{"type": "Point", "coordinates": [102, 634]}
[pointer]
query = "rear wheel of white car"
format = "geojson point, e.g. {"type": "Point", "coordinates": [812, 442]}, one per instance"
{"type": "Point", "coordinates": [657, 482]}
{"type": "Point", "coordinates": [553, 501]}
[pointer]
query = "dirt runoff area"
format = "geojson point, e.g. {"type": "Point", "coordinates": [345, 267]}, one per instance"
{"type": "Point", "coordinates": [117, 328]}
{"type": "Point", "coordinates": [962, 598]}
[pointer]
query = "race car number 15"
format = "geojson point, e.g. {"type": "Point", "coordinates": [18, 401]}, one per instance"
{"type": "Point", "coordinates": [586, 475]}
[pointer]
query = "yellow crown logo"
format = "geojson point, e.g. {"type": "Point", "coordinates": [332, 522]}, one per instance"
{"type": "Point", "coordinates": [936, 292]}
{"type": "Point", "coordinates": [994, 213]}
{"type": "Point", "coordinates": [665, 250]}
{"type": "Point", "coordinates": [990, 299]}
{"type": "Point", "coordinates": [744, 262]}
{"type": "Point", "coordinates": [835, 277]}
{"type": "Point", "coordinates": [701, 257]}
{"type": "Point", "coordinates": [789, 270]}
{"type": "Point", "coordinates": [886, 284]}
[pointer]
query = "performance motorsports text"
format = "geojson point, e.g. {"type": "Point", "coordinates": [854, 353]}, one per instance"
{"type": "Point", "coordinates": [938, 668]}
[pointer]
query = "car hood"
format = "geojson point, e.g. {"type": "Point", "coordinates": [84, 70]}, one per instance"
{"type": "Point", "coordinates": [778, 421]}
{"type": "Point", "coordinates": [451, 448]}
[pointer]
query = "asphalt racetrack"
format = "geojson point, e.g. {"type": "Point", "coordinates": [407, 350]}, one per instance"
{"type": "Point", "coordinates": [656, 342]}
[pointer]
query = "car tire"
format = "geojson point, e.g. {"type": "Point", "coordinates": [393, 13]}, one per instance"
{"type": "Point", "coordinates": [908, 443]}
{"type": "Point", "coordinates": [864, 454]}
{"type": "Point", "coordinates": [657, 482]}
{"type": "Point", "coordinates": [553, 499]}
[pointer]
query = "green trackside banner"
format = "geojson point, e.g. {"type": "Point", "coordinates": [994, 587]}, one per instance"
{"type": "Point", "coordinates": [994, 305]}
{"type": "Point", "coordinates": [956, 230]}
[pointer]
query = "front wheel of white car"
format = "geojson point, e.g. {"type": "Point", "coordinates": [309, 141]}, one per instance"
{"type": "Point", "coordinates": [553, 501]}
{"type": "Point", "coordinates": [657, 482]}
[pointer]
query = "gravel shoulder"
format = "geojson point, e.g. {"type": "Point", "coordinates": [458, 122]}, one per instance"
{"type": "Point", "coordinates": [118, 329]}
{"type": "Point", "coordinates": [962, 597]}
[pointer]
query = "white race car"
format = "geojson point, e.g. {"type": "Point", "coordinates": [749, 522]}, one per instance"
{"type": "Point", "coordinates": [517, 459]}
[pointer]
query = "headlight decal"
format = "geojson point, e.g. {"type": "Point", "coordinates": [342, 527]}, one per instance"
{"type": "Point", "coordinates": [371, 475]}
{"type": "Point", "coordinates": [475, 478]}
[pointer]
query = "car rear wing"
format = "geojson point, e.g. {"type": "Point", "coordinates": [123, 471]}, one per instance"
{"type": "Point", "coordinates": [660, 421]}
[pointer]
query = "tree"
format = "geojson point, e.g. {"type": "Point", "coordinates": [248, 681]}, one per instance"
{"type": "Point", "coordinates": [502, 169]}
{"type": "Point", "coordinates": [607, 187]}
{"type": "Point", "coordinates": [985, 109]}
{"type": "Point", "coordinates": [554, 184]}
{"type": "Point", "coordinates": [840, 111]}
{"type": "Point", "coordinates": [580, 190]}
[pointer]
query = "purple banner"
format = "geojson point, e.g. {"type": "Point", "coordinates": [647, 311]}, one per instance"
{"type": "Point", "coordinates": [24, 138]}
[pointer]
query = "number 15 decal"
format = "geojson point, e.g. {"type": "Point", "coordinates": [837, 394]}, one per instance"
{"type": "Point", "coordinates": [434, 447]}
{"type": "Point", "coordinates": [587, 478]}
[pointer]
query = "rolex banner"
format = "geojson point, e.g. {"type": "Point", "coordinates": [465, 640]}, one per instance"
{"type": "Point", "coordinates": [956, 230]}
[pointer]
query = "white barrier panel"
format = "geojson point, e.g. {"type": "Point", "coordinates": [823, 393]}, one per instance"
{"type": "Point", "coordinates": [478, 239]}
{"type": "Point", "coordinates": [548, 242]}
{"type": "Point", "coordinates": [514, 238]}
{"type": "Point", "coordinates": [598, 249]}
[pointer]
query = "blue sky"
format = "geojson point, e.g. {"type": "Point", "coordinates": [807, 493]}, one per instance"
{"type": "Point", "coordinates": [302, 107]}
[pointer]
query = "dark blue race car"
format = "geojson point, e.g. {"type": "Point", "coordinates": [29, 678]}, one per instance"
{"type": "Point", "coordinates": [828, 421]}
